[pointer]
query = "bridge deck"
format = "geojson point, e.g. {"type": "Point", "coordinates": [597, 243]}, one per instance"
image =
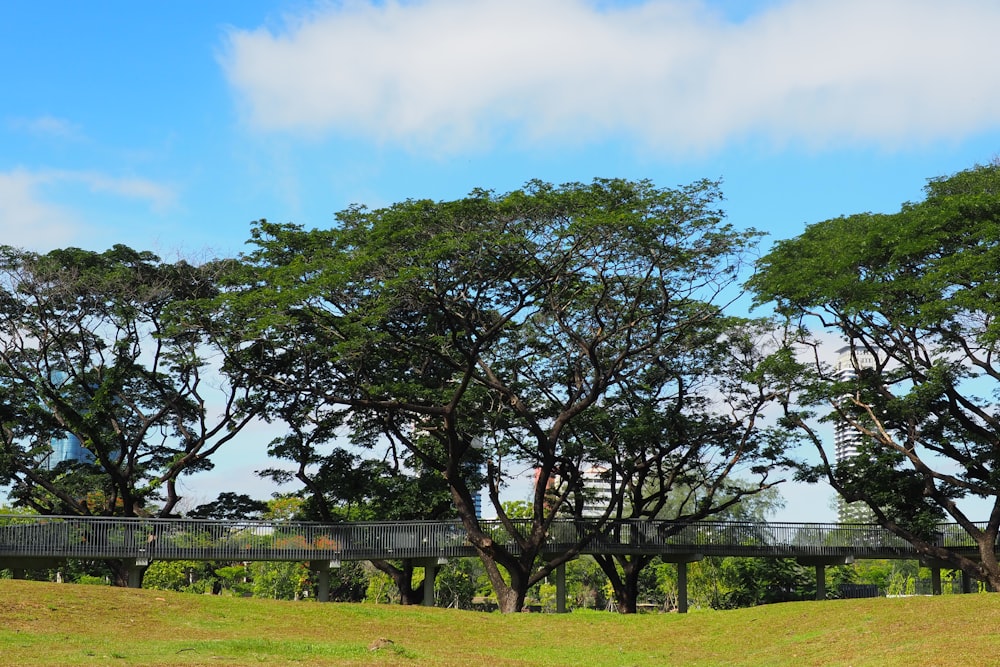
{"type": "Point", "coordinates": [181, 539]}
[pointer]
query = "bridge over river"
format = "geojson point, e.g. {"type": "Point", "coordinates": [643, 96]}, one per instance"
{"type": "Point", "coordinates": [28, 541]}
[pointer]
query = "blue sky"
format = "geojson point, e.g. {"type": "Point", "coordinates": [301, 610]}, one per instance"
{"type": "Point", "coordinates": [171, 126]}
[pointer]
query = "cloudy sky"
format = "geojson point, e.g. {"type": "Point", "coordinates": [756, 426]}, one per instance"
{"type": "Point", "coordinates": [171, 126]}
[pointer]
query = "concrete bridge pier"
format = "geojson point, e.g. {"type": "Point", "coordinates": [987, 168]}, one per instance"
{"type": "Point", "coordinates": [560, 573]}
{"type": "Point", "coordinates": [322, 569]}
{"type": "Point", "coordinates": [430, 566]}
{"type": "Point", "coordinates": [561, 588]}
{"type": "Point", "coordinates": [936, 566]}
{"type": "Point", "coordinates": [821, 563]}
{"type": "Point", "coordinates": [135, 575]}
{"type": "Point", "coordinates": [137, 568]}
{"type": "Point", "coordinates": [682, 560]}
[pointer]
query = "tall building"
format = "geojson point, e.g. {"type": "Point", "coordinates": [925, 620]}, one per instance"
{"type": "Point", "coordinates": [596, 491]}
{"type": "Point", "coordinates": [846, 439]}
{"type": "Point", "coordinates": [66, 448]}
{"type": "Point", "coordinates": [477, 502]}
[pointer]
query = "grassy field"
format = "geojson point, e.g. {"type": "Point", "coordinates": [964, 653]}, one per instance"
{"type": "Point", "coordinates": [61, 624]}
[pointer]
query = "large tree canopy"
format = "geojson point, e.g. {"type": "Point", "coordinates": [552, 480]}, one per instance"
{"type": "Point", "coordinates": [686, 439]}
{"type": "Point", "coordinates": [99, 347]}
{"type": "Point", "coordinates": [481, 331]}
{"type": "Point", "coordinates": [917, 291]}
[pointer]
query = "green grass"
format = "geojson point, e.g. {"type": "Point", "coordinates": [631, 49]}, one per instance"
{"type": "Point", "coordinates": [61, 624]}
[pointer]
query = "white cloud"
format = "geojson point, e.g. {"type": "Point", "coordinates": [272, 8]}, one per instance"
{"type": "Point", "coordinates": [672, 74]}
{"type": "Point", "coordinates": [26, 220]}
{"type": "Point", "coordinates": [30, 219]}
{"type": "Point", "coordinates": [158, 196]}
{"type": "Point", "coordinates": [48, 126]}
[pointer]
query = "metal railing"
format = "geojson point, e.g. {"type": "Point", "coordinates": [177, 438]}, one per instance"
{"type": "Point", "coordinates": [180, 539]}
{"type": "Point", "coordinates": [144, 539]}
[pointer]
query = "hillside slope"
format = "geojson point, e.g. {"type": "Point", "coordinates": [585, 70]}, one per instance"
{"type": "Point", "coordinates": [61, 624]}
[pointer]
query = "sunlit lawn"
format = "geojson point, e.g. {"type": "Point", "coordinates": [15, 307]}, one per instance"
{"type": "Point", "coordinates": [61, 624]}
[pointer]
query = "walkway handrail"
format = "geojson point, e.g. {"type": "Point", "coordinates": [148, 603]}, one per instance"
{"type": "Point", "coordinates": [145, 539]}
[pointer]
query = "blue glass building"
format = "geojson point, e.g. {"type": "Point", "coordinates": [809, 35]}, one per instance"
{"type": "Point", "coordinates": [68, 447]}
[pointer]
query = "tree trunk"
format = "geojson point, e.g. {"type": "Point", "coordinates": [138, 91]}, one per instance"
{"type": "Point", "coordinates": [510, 596]}
{"type": "Point", "coordinates": [119, 572]}
{"type": "Point", "coordinates": [403, 579]}
{"type": "Point", "coordinates": [510, 600]}
{"type": "Point", "coordinates": [624, 584]}
{"type": "Point", "coordinates": [989, 568]}
{"type": "Point", "coordinates": [628, 595]}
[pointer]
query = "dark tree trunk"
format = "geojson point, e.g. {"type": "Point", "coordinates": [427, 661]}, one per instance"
{"type": "Point", "coordinates": [510, 596]}
{"type": "Point", "coordinates": [510, 599]}
{"type": "Point", "coordinates": [120, 572]}
{"type": "Point", "coordinates": [402, 577]}
{"type": "Point", "coordinates": [625, 584]}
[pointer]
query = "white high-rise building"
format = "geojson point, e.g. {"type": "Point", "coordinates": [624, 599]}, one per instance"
{"type": "Point", "coordinates": [597, 491]}
{"type": "Point", "coordinates": [847, 439]}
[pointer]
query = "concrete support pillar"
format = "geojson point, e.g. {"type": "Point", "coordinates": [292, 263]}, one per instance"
{"type": "Point", "coordinates": [322, 569]}
{"type": "Point", "coordinates": [560, 572]}
{"type": "Point", "coordinates": [323, 585]}
{"type": "Point", "coordinates": [935, 581]}
{"type": "Point", "coordinates": [430, 570]}
{"type": "Point", "coordinates": [821, 563]}
{"type": "Point", "coordinates": [561, 589]}
{"type": "Point", "coordinates": [135, 571]}
{"type": "Point", "coordinates": [682, 576]}
{"type": "Point", "coordinates": [935, 567]}
{"type": "Point", "coordinates": [682, 587]}
{"type": "Point", "coordinates": [430, 566]}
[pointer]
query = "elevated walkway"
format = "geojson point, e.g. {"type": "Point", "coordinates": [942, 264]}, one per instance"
{"type": "Point", "coordinates": [31, 541]}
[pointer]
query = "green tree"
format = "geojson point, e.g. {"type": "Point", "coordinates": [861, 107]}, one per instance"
{"type": "Point", "coordinates": [178, 575]}
{"type": "Point", "coordinates": [348, 582]}
{"type": "Point", "coordinates": [708, 583]}
{"type": "Point", "coordinates": [101, 347]}
{"type": "Point", "coordinates": [916, 291]}
{"type": "Point", "coordinates": [682, 439]}
{"type": "Point", "coordinates": [733, 582]}
{"type": "Point", "coordinates": [279, 580]}
{"type": "Point", "coordinates": [457, 583]}
{"type": "Point", "coordinates": [586, 584]}
{"type": "Point", "coordinates": [754, 581]}
{"type": "Point", "coordinates": [482, 329]}
{"type": "Point", "coordinates": [343, 486]}
{"type": "Point", "coordinates": [229, 506]}
{"type": "Point", "coordinates": [234, 579]}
